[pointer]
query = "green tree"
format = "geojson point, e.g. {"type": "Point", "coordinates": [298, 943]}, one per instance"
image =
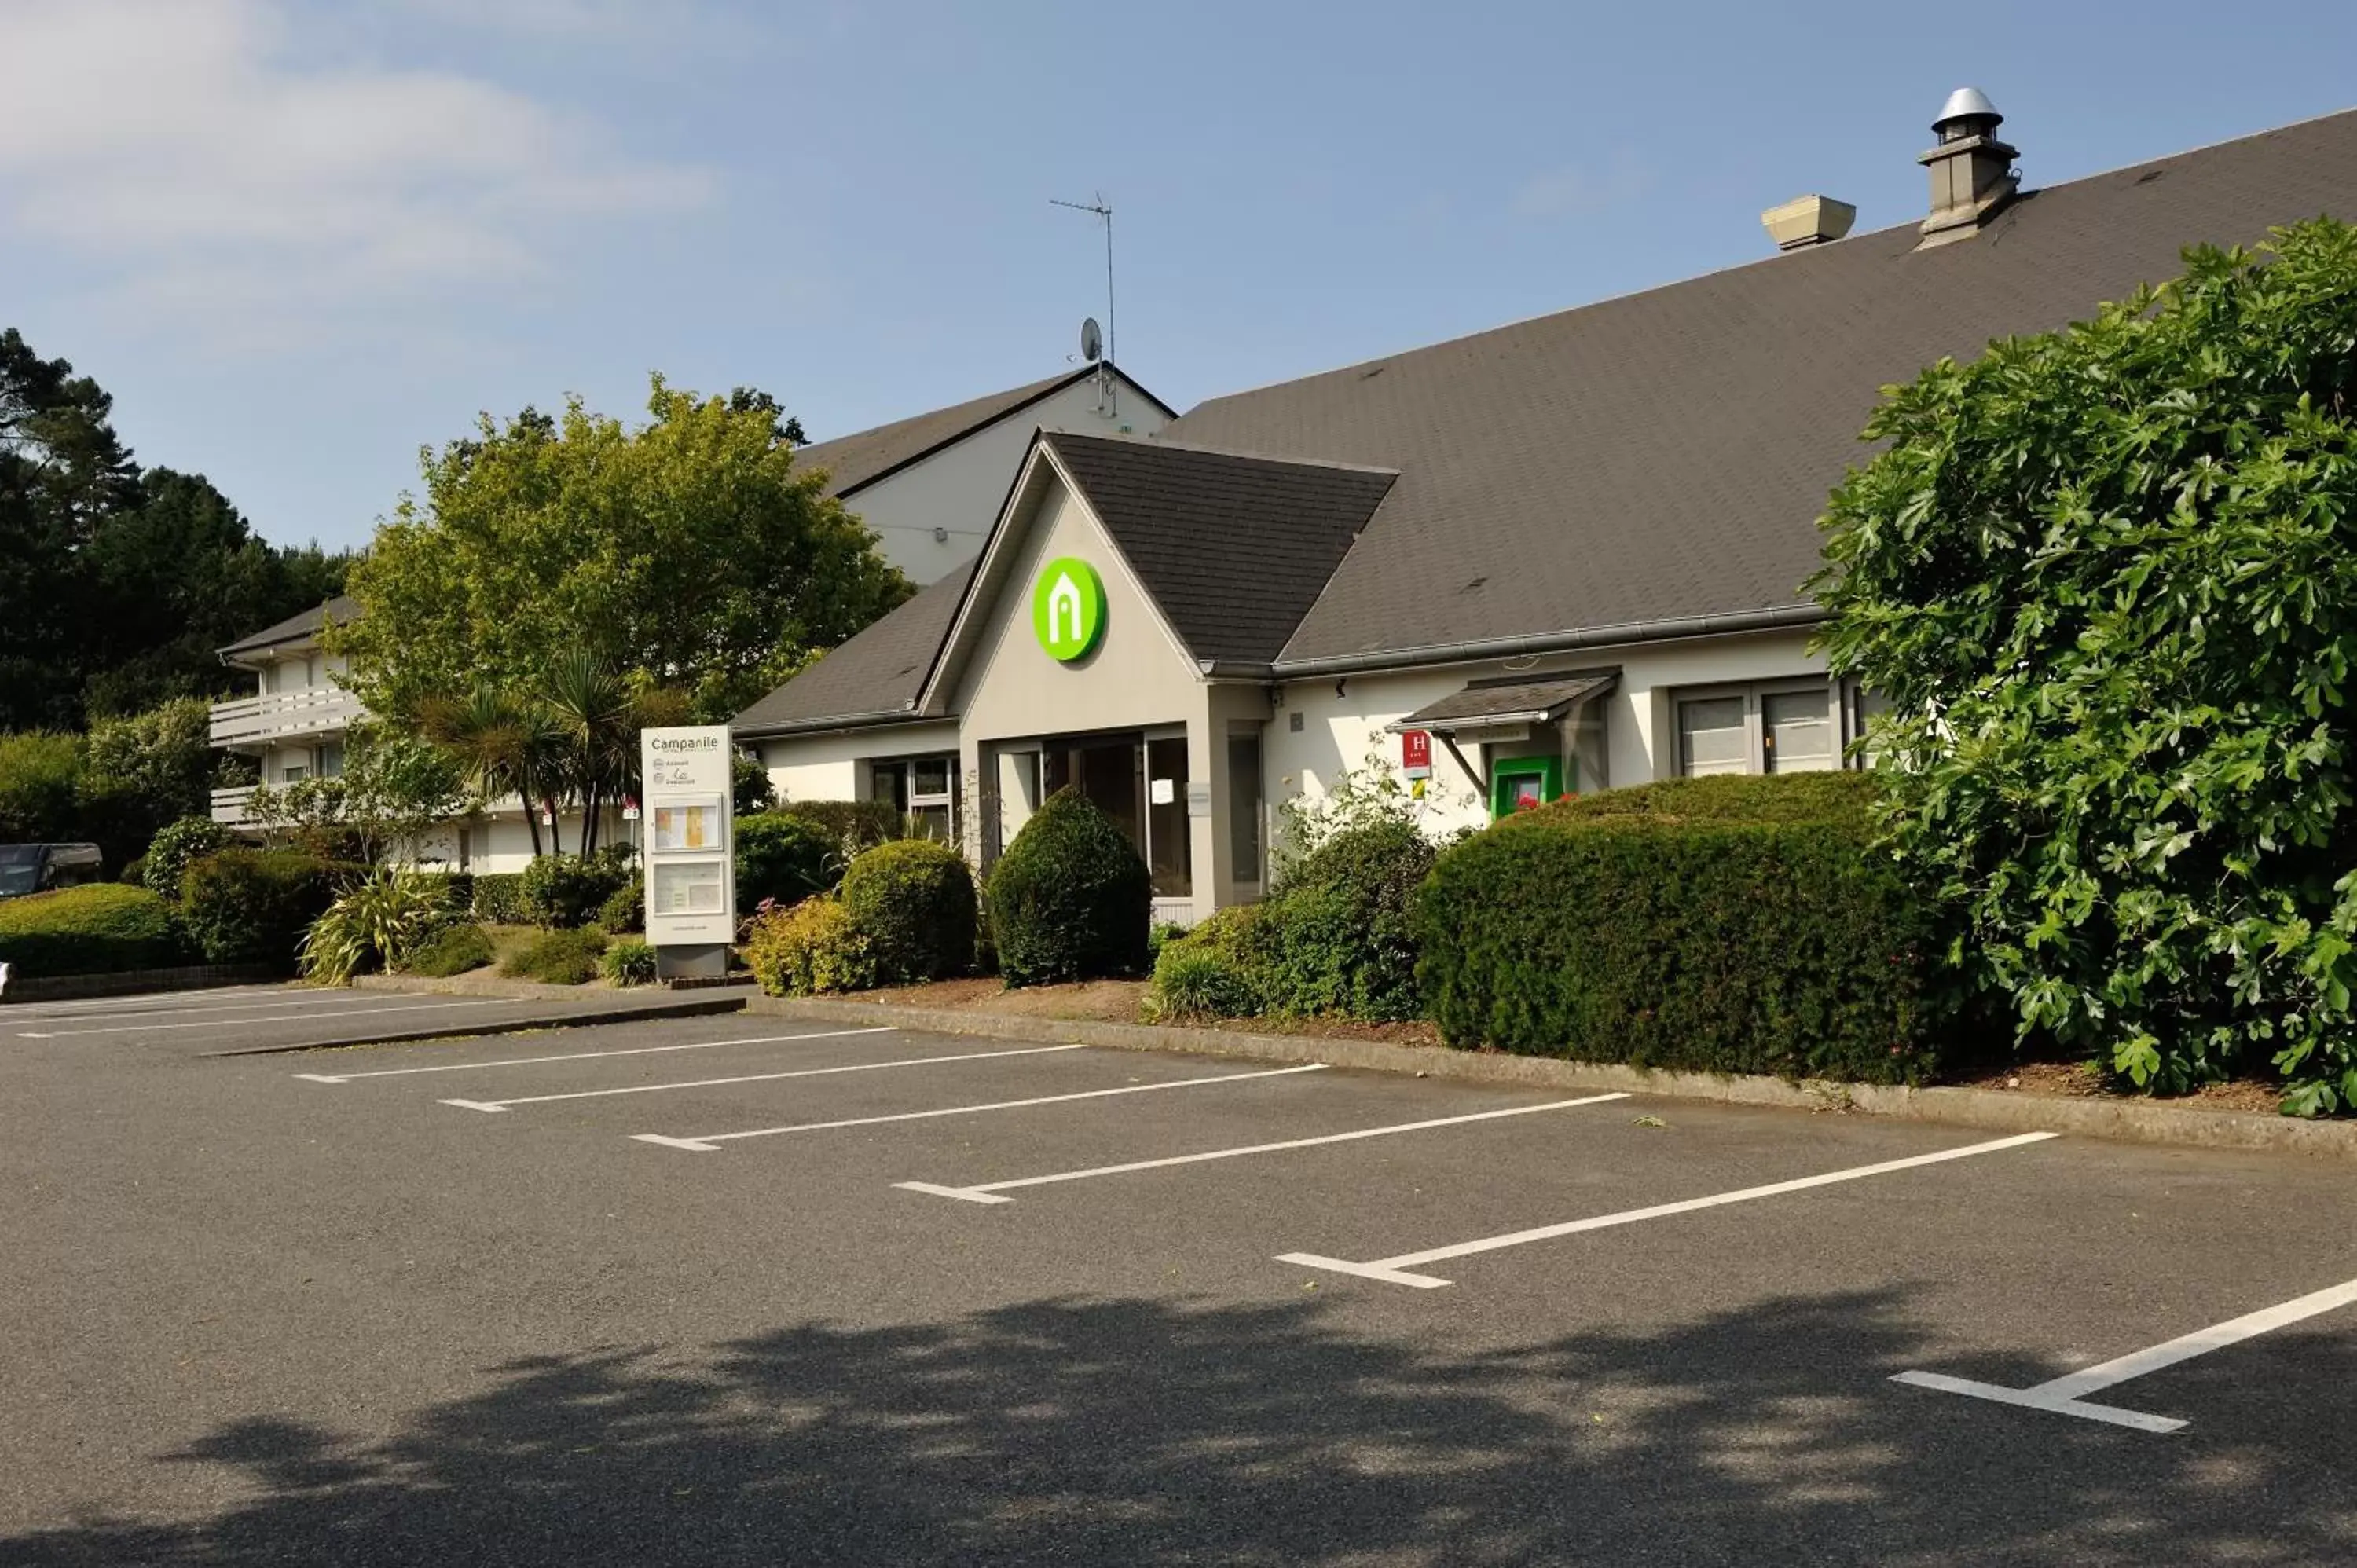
{"type": "Point", "coordinates": [116, 586]}
{"type": "Point", "coordinates": [690, 552]}
{"type": "Point", "coordinates": [395, 787]}
{"type": "Point", "coordinates": [2106, 579]}
{"type": "Point", "coordinates": [63, 470]}
{"type": "Point", "coordinates": [501, 745]}
{"type": "Point", "coordinates": [161, 761]}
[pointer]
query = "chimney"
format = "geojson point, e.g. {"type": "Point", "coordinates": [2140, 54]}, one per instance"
{"type": "Point", "coordinates": [1808, 220]}
{"type": "Point", "coordinates": [1971, 171]}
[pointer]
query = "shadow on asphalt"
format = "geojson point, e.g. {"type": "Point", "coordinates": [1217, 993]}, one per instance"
{"type": "Point", "coordinates": [1127, 1432]}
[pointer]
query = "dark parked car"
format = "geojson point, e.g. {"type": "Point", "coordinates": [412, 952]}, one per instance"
{"type": "Point", "coordinates": [40, 867]}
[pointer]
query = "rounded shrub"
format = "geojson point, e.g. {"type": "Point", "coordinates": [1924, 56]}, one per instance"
{"type": "Point", "coordinates": [176, 845]}
{"type": "Point", "coordinates": [814, 946]}
{"type": "Point", "coordinates": [1070, 899]}
{"type": "Point", "coordinates": [134, 873]}
{"type": "Point", "coordinates": [559, 892]}
{"type": "Point", "coordinates": [102, 927]}
{"type": "Point", "coordinates": [1337, 935]}
{"type": "Point", "coordinates": [253, 906]}
{"type": "Point", "coordinates": [453, 949]}
{"type": "Point", "coordinates": [913, 900]}
{"type": "Point", "coordinates": [627, 909]}
{"type": "Point", "coordinates": [784, 859]}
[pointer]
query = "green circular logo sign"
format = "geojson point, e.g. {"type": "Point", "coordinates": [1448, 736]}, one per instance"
{"type": "Point", "coordinates": [1067, 608]}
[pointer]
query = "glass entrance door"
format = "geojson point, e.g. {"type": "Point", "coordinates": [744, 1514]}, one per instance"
{"type": "Point", "coordinates": [1141, 784]}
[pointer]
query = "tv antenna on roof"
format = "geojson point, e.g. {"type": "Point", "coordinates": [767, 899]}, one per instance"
{"type": "Point", "coordinates": [1096, 204]}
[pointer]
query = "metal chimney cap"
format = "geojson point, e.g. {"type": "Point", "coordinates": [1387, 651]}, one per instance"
{"type": "Point", "coordinates": [1967, 102]}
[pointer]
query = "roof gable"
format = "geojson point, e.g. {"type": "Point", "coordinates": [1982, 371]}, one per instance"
{"type": "Point", "coordinates": [855, 461]}
{"type": "Point", "coordinates": [296, 628]}
{"type": "Point", "coordinates": [1232, 548]}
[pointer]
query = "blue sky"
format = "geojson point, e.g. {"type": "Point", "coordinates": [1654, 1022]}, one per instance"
{"type": "Point", "coordinates": [298, 240]}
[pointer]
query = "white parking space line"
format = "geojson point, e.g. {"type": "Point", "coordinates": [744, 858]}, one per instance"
{"type": "Point", "coordinates": [988, 1192]}
{"type": "Point", "coordinates": [758, 1077]}
{"type": "Point", "coordinates": [135, 1002]}
{"type": "Point", "coordinates": [588, 1055]}
{"type": "Point", "coordinates": [279, 1007]}
{"type": "Point", "coordinates": [1397, 1271]}
{"type": "Point", "coordinates": [283, 1018]}
{"type": "Point", "coordinates": [709, 1143]}
{"type": "Point", "coordinates": [2065, 1395]}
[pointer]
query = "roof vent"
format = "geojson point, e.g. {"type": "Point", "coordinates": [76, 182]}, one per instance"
{"type": "Point", "coordinates": [1808, 220]}
{"type": "Point", "coordinates": [1972, 174]}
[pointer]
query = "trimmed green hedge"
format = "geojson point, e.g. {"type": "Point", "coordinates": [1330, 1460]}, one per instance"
{"type": "Point", "coordinates": [103, 928]}
{"type": "Point", "coordinates": [784, 859]}
{"type": "Point", "coordinates": [1070, 899]}
{"type": "Point", "coordinates": [913, 900]}
{"type": "Point", "coordinates": [253, 906]}
{"type": "Point", "coordinates": [1722, 925]}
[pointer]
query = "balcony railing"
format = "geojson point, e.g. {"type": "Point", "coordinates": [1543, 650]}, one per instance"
{"type": "Point", "coordinates": [284, 715]}
{"type": "Point", "coordinates": [230, 807]}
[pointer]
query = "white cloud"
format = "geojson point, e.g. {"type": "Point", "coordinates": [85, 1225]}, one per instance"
{"type": "Point", "coordinates": [1578, 189]}
{"type": "Point", "coordinates": [181, 149]}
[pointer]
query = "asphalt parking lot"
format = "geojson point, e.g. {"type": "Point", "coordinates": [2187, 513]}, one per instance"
{"type": "Point", "coordinates": [260, 1018]}
{"type": "Point", "coordinates": [747, 1290]}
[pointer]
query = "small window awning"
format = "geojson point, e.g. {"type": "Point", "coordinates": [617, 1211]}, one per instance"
{"type": "Point", "coordinates": [1514, 700]}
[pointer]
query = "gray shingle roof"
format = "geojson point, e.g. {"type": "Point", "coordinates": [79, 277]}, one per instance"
{"type": "Point", "coordinates": [295, 628]}
{"type": "Point", "coordinates": [1663, 456]}
{"type": "Point", "coordinates": [872, 677]}
{"type": "Point", "coordinates": [866, 456]}
{"type": "Point", "coordinates": [1235, 549]}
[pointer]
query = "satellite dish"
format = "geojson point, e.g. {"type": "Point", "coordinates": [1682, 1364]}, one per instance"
{"type": "Point", "coordinates": [1092, 340]}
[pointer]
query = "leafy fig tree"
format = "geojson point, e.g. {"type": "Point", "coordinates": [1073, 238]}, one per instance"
{"type": "Point", "coordinates": [2106, 580]}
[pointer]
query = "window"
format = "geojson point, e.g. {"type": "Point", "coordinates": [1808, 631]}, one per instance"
{"type": "Point", "coordinates": [1785, 727]}
{"type": "Point", "coordinates": [1244, 805]}
{"type": "Point", "coordinates": [1713, 736]}
{"type": "Point", "coordinates": [920, 788]}
{"type": "Point", "coordinates": [1796, 732]}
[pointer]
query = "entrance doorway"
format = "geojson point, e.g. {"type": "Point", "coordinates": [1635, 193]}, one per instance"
{"type": "Point", "coordinates": [1137, 779]}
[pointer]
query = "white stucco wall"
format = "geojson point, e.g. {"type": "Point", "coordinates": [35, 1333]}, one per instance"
{"type": "Point", "coordinates": [1339, 731]}
{"type": "Point", "coordinates": [960, 489]}
{"type": "Point", "coordinates": [826, 767]}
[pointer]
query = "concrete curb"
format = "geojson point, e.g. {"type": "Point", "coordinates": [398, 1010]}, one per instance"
{"type": "Point", "coordinates": [482, 983]}
{"type": "Point", "coordinates": [686, 1008]}
{"type": "Point", "coordinates": [2142, 1122]}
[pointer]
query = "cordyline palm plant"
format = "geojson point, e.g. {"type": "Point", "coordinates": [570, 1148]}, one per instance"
{"type": "Point", "coordinates": [575, 741]}
{"type": "Point", "coordinates": [502, 745]}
